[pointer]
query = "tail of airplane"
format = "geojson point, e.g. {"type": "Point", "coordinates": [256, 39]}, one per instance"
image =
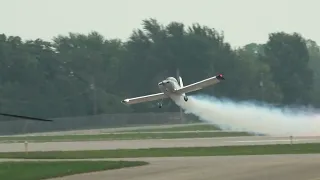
{"type": "Point", "coordinates": [180, 82]}
{"type": "Point", "coordinates": [181, 85]}
{"type": "Point", "coordinates": [179, 78]}
{"type": "Point", "coordinates": [185, 97]}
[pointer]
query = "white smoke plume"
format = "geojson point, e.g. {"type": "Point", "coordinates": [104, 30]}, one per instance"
{"type": "Point", "coordinates": [252, 118]}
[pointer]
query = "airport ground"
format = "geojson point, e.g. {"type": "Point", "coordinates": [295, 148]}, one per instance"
{"type": "Point", "coordinates": [284, 167]}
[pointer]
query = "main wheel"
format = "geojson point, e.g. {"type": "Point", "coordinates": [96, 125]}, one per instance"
{"type": "Point", "coordinates": [159, 105]}
{"type": "Point", "coordinates": [185, 98]}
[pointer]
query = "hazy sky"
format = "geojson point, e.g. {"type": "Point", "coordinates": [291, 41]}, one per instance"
{"type": "Point", "coordinates": [243, 21]}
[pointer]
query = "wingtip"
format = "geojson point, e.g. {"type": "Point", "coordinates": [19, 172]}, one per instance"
{"type": "Point", "coordinates": [125, 101]}
{"type": "Point", "coordinates": [220, 77]}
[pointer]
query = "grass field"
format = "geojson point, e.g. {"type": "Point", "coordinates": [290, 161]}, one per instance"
{"type": "Point", "coordinates": [44, 170]}
{"type": "Point", "coordinates": [125, 136]}
{"type": "Point", "coordinates": [171, 152]}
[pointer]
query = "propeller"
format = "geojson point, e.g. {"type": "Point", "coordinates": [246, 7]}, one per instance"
{"type": "Point", "coordinates": [25, 117]}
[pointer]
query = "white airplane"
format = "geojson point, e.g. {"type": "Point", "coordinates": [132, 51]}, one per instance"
{"type": "Point", "coordinates": [171, 88]}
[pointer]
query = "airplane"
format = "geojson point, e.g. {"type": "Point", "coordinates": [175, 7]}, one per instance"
{"type": "Point", "coordinates": [171, 88]}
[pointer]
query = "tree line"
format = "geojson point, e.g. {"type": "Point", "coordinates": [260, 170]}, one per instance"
{"type": "Point", "coordinates": [86, 74]}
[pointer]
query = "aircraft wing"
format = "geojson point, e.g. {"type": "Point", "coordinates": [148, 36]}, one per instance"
{"type": "Point", "coordinates": [200, 84]}
{"type": "Point", "coordinates": [151, 97]}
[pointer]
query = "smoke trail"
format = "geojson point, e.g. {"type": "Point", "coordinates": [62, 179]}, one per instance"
{"type": "Point", "coordinates": [250, 117]}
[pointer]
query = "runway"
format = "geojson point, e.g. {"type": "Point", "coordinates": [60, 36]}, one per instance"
{"type": "Point", "coordinates": [282, 167]}
{"type": "Point", "coordinates": [153, 143]}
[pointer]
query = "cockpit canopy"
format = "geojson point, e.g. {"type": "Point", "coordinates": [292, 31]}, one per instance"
{"type": "Point", "coordinates": [172, 79]}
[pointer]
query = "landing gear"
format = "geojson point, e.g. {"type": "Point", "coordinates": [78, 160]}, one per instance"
{"type": "Point", "coordinates": [160, 103]}
{"type": "Point", "coordinates": [185, 98]}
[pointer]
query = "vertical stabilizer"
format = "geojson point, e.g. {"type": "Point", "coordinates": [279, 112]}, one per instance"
{"type": "Point", "coordinates": [181, 86]}
{"type": "Point", "coordinates": [179, 79]}
{"type": "Point", "coordinates": [180, 82]}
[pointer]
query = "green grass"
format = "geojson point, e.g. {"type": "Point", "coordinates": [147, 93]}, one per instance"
{"type": "Point", "coordinates": [171, 152]}
{"type": "Point", "coordinates": [131, 136]}
{"type": "Point", "coordinates": [199, 127]}
{"type": "Point", "coordinates": [43, 170]}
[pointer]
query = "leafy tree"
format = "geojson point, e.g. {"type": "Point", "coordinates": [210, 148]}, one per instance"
{"type": "Point", "coordinates": [314, 64]}
{"type": "Point", "coordinates": [85, 74]}
{"type": "Point", "coordinates": [288, 57]}
{"type": "Point", "coordinates": [256, 79]}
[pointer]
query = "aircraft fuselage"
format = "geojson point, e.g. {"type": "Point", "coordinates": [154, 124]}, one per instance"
{"type": "Point", "coordinates": [168, 85]}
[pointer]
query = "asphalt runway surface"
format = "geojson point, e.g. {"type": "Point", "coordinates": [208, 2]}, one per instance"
{"type": "Point", "coordinates": [108, 130]}
{"type": "Point", "coordinates": [262, 167]}
{"type": "Point", "coordinates": [266, 167]}
{"type": "Point", "coordinates": [153, 143]}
